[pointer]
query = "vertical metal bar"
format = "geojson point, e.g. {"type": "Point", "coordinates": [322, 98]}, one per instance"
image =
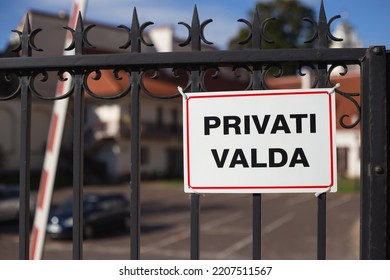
{"type": "Point", "coordinates": [321, 199]}
{"type": "Point", "coordinates": [134, 169]}
{"type": "Point", "coordinates": [135, 161]}
{"type": "Point", "coordinates": [323, 29]}
{"type": "Point", "coordinates": [195, 34]}
{"type": "Point", "coordinates": [387, 185]}
{"type": "Point", "coordinates": [195, 198]}
{"type": "Point", "coordinates": [256, 198]}
{"type": "Point", "coordinates": [24, 175]}
{"type": "Point", "coordinates": [25, 147]}
{"type": "Point", "coordinates": [195, 214]}
{"type": "Point", "coordinates": [78, 169]}
{"type": "Point", "coordinates": [256, 40]}
{"type": "Point", "coordinates": [256, 226]}
{"type": "Point", "coordinates": [321, 227]}
{"type": "Point", "coordinates": [374, 169]}
{"type": "Point", "coordinates": [78, 147]}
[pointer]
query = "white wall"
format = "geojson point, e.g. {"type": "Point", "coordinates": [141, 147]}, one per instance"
{"type": "Point", "coordinates": [350, 138]}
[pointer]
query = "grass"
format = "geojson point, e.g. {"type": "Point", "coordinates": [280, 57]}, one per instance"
{"type": "Point", "coordinates": [175, 183]}
{"type": "Point", "coordinates": [347, 185]}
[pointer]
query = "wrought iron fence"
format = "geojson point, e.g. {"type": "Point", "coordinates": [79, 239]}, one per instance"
{"type": "Point", "coordinates": [193, 64]}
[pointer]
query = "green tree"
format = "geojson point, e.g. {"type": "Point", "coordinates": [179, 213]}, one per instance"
{"type": "Point", "coordinates": [288, 30]}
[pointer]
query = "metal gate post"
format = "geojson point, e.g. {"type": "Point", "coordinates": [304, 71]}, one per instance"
{"type": "Point", "coordinates": [195, 36]}
{"type": "Point", "coordinates": [135, 211]}
{"type": "Point", "coordinates": [374, 168]}
{"type": "Point", "coordinates": [25, 148]}
{"type": "Point", "coordinates": [323, 43]}
{"type": "Point", "coordinates": [78, 146]}
{"type": "Point", "coordinates": [135, 34]}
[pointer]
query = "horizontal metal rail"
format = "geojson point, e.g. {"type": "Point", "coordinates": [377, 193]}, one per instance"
{"type": "Point", "coordinates": [187, 59]}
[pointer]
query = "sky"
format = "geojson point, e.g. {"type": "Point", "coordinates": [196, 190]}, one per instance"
{"type": "Point", "coordinates": [370, 18]}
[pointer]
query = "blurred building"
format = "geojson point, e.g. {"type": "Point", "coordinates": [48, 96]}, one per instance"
{"type": "Point", "coordinates": [108, 123]}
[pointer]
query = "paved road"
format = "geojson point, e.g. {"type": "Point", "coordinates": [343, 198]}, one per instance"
{"type": "Point", "coordinates": [289, 227]}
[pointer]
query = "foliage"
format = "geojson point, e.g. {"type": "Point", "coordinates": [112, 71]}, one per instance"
{"type": "Point", "coordinates": [347, 185]}
{"type": "Point", "coordinates": [287, 31]}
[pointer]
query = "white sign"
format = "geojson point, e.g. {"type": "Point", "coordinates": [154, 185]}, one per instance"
{"type": "Point", "coordinates": [260, 141]}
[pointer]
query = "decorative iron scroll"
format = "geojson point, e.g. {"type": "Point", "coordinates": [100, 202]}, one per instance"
{"type": "Point", "coordinates": [178, 74]}
{"type": "Point", "coordinates": [116, 75]}
{"type": "Point", "coordinates": [312, 68]}
{"type": "Point", "coordinates": [248, 70]}
{"type": "Point", "coordinates": [348, 95]}
{"type": "Point", "coordinates": [13, 80]}
{"type": "Point", "coordinates": [44, 76]}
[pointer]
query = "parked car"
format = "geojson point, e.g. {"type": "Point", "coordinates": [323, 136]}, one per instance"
{"type": "Point", "coordinates": [9, 203]}
{"type": "Point", "coordinates": [102, 213]}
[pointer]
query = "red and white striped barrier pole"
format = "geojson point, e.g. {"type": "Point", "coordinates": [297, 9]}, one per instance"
{"type": "Point", "coordinates": [52, 150]}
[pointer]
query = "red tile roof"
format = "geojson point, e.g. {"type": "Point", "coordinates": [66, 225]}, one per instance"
{"type": "Point", "coordinates": [108, 85]}
{"type": "Point", "coordinates": [350, 83]}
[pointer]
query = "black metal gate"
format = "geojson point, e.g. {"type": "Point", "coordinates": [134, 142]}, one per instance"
{"type": "Point", "coordinates": [374, 63]}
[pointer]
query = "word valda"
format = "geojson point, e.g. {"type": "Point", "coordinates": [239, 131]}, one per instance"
{"type": "Point", "coordinates": [253, 124]}
{"type": "Point", "coordinates": [277, 157]}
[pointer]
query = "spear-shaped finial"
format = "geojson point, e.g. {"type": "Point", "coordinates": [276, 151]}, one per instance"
{"type": "Point", "coordinates": [26, 38]}
{"type": "Point", "coordinates": [322, 28]}
{"type": "Point", "coordinates": [257, 30]}
{"type": "Point", "coordinates": [196, 31]}
{"type": "Point", "coordinates": [135, 34]}
{"type": "Point", "coordinates": [79, 36]}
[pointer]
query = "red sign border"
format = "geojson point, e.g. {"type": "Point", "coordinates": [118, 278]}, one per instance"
{"type": "Point", "coordinates": [257, 93]}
